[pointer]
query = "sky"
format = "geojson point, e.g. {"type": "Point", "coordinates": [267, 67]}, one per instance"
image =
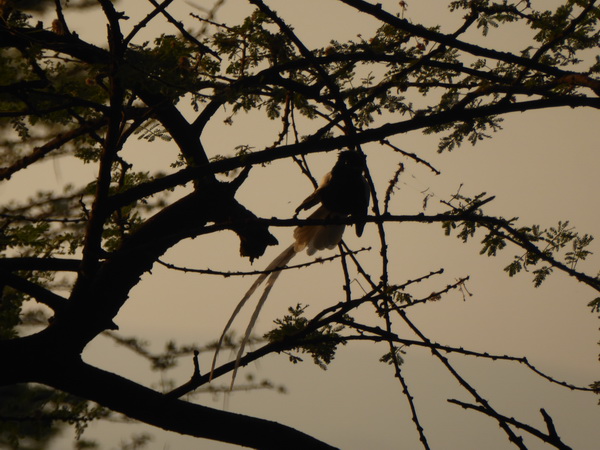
{"type": "Point", "coordinates": [542, 167]}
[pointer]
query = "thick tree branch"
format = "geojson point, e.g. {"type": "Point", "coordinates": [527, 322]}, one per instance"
{"type": "Point", "coordinates": [151, 407]}
{"type": "Point", "coordinates": [323, 145]}
{"type": "Point", "coordinates": [111, 146]}
{"type": "Point", "coordinates": [93, 308]}
{"type": "Point", "coordinates": [57, 303]}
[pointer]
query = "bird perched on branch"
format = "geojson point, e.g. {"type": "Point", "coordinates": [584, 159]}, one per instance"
{"type": "Point", "coordinates": [343, 192]}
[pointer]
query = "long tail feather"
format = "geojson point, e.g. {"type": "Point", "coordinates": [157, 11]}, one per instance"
{"type": "Point", "coordinates": [261, 301]}
{"type": "Point", "coordinates": [284, 258]}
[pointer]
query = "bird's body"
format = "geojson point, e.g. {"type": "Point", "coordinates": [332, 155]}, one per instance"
{"type": "Point", "coordinates": [343, 192]}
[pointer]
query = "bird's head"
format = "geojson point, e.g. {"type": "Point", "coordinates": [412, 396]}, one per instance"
{"type": "Point", "coordinates": [351, 160]}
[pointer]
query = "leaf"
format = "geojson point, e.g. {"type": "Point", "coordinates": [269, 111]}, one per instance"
{"type": "Point", "coordinates": [595, 305]}
{"type": "Point", "coordinates": [393, 357]}
{"type": "Point", "coordinates": [514, 268]}
{"type": "Point", "coordinates": [540, 275]}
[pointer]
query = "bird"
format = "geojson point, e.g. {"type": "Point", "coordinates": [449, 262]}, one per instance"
{"type": "Point", "coordinates": [343, 192]}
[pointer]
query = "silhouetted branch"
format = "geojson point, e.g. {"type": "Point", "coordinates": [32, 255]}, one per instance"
{"type": "Point", "coordinates": [377, 11]}
{"type": "Point", "coordinates": [35, 263]}
{"type": "Point", "coordinates": [22, 218]}
{"type": "Point", "coordinates": [485, 405]}
{"type": "Point", "coordinates": [203, 48]}
{"type": "Point", "coordinates": [227, 274]}
{"type": "Point", "coordinates": [57, 303]}
{"type": "Point", "coordinates": [335, 143]}
{"type": "Point", "coordinates": [551, 438]}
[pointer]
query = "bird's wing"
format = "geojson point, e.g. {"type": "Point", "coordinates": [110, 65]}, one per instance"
{"type": "Point", "coordinates": [314, 198]}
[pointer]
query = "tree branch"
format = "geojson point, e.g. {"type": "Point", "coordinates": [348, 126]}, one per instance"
{"type": "Point", "coordinates": [324, 145]}
{"type": "Point", "coordinates": [111, 145]}
{"type": "Point", "coordinates": [551, 438]}
{"type": "Point", "coordinates": [485, 405]}
{"type": "Point", "coordinates": [57, 303]}
{"type": "Point", "coordinates": [227, 274]}
{"type": "Point", "coordinates": [377, 11]}
{"type": "Point", "coordinates": [151, 407]}
{"type": "Point", "coordinates": [489, 222]}
{"type": "Point", "coordinates": [43, 264]}
{"type": "Point", "coordinates": [40, 152]}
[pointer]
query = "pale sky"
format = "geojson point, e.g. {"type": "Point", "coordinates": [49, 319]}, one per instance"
{"type": "Point", "coordinates": [543, 167]}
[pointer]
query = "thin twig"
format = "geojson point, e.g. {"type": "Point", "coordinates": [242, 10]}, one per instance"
{"type": "Point", "coordinates": [552, 439]}
{"type": "Point", "coordinates": [22, 218]}
{"type": "Point", "coordinates": [227, 274]}
{"type": "Point", "coordinates": [184, 32]}
{"type": "Point", "coordinates": [158, 8]}
{"type": "Point", "coordinates": [411, 155]}
{"type": "Point", "coordinates": [517, 440]}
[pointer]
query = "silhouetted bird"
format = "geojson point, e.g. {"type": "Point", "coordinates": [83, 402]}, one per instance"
{"type": "Point", "coordinates": [343, 192]}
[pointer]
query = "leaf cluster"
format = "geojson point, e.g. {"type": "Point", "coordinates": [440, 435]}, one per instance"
{"type": "Point", "coordinates": [320, 344]}
{"type": "Point", "coordinates": [36, 413]}
{"type": "Point", "coordinates": [545, 248]}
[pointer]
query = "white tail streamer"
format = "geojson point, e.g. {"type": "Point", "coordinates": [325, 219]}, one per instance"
{"type": "Point", "coordinates": [284, 258]}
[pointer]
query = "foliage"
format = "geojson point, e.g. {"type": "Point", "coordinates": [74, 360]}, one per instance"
{"type": "Point", "coordinates": [321, 344]}
{"type": "Point", "coordinates": [32, 415]}
{"type": "Point", "coordinates": [81, 250]}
